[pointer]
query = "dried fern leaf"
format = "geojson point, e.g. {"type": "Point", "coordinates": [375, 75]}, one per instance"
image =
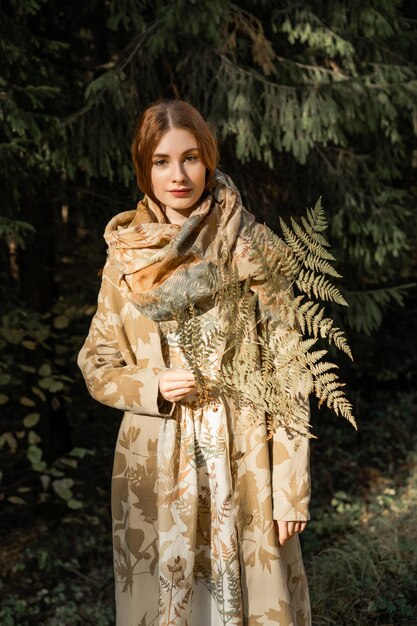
{"type": "Point", "coordinates": [262, 372]}
{"type": "Point", "coordinates": [308, 282]}
{"type": "Point", "coordinates": [316, 252]}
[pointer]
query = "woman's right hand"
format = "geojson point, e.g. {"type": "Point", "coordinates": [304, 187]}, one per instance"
{"type": "Point", "coordinates": [175, 385]}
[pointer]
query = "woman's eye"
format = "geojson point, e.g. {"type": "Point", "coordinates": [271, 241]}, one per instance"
{"type": "Point", "coordinates": [160, 162]}
{"type": "Point", "coordinates": [191, 157]}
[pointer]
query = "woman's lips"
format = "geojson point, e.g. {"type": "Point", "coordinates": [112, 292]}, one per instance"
{"type": "Point", "coordinates": [180, 192]}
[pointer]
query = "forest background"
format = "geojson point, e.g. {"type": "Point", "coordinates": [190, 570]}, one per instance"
{"type": "Point", "coordinates": [309, 99]}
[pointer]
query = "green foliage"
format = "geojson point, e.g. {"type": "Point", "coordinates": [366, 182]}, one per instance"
{"type": "Point", "coordinates": [308, 98]}
{"type": "Point", "coordinates": [368, 575]}
{"type": "Point", "coordinates": [313, 97]}
{"type": "Point", "coordinates": [28, 395]}
{"type": "Point", "coordinates": [15, 231]}
{"type": "Point", "coordinates": [61, 578]}
{"type": "Point", "coordinates": [373, 302]}
{"type": "Point", "coordinates": [29, 86]}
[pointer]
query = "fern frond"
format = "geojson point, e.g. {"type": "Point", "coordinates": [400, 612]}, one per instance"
{"type": "Point", "coordinates": [290, 265]}
{"type": "Point", "coordinates": [318, 369]}
{"type": "Point", "coordinates": [314, 357]}
{"type": "Point", "coordinates": [337, 336]}
{"type": "Point", "coordinates": [268, 372]}
{"type": "Point", "coordinates": [314, 234]}
{"type": "Point", "coordinates": [309, 282]}
{"type": "Point", "coordinates": [343, 407]}
{"type": "Point", "coordinates": [316, 217]}
{"type": "Point", "coordinates": [309, 316]}
{"type": "Point", "coordinates": [298, 248]}
{"type": "Point", "coordinates": [318, 253]}
{"type": "Point", "coordinates": [330, 387]}
{"type": "Point", "coordinates": [307, 244]}
{"type": "Point", "coordinates": [316, 322]}
{"type": "Point", "coordinates": [322, 380]}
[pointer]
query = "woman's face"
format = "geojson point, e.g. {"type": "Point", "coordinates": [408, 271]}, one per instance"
{"type": "Point", "coordinates": [178, 174]}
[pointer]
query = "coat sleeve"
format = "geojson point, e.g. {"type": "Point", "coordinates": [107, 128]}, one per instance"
{"type": "Point", "coordinates": [289, 455]}
{"type": "Point", "coordinates": [290, 464]}
{"type": "Point", "coordinates": [290, 477]}
{"type": "Point", "coordinates": [114, 375]}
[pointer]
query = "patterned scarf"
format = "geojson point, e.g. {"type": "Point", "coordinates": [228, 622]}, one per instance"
{"type": "Point", "coordinates": [165, 267]}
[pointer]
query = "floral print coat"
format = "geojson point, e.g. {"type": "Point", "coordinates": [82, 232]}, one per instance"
{"type": "Point", "coordinates": [194, 492]}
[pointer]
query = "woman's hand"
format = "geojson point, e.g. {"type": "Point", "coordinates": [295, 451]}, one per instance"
{"type": "Point", "coordinates": [285, 530]}
{"type": "Point", "coordinates": [176, 385]}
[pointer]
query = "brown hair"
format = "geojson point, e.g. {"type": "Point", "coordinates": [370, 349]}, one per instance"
{"type": "Point", "coordinates": [154, 122]}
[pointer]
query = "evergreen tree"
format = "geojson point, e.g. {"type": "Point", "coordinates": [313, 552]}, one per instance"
{"type": "Point", "coordinates": [310, 98]}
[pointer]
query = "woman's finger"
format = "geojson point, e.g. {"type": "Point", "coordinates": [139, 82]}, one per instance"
{"type": "Point", "coordinates": [282, 532]}
{"type": "Point", "coordinates": [176, 394]}
{"type": "Point", "coordinates": [173, 387]}
{"type": "Point", "coordinates": [179, 394]}
{"type": "Point", "coordinates": [178, 375]}
{"type": "Point", "coordinates": [291, 526]}
{"type": "Point", "coordinates": [286, 530]}
{"type": "Point", "coordinates": [164, 389]}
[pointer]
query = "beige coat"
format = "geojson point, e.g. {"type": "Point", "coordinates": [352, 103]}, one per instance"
{"type": "Point", "coordinates": [194, 492]}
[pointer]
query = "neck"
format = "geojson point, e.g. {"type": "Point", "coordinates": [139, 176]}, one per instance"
{"type": "Point", "coordinates": [177, 217]}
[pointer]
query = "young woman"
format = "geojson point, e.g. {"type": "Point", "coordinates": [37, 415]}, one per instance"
{"type": "Point", "coordinates": [206, 511]}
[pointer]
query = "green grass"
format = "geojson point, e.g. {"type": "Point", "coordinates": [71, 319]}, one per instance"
{"type": "Point", "coordinates": [369, 576]}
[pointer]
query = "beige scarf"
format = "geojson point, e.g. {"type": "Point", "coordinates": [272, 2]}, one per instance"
{"type": "Point", "coordinates": [164, 267]}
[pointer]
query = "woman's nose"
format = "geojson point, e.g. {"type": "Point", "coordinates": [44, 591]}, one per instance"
{"type": "Point", "coordinates": [178, 172]}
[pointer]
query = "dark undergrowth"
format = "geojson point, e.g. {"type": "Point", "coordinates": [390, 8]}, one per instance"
{"type": "Point", "coordinates": [360, 547]}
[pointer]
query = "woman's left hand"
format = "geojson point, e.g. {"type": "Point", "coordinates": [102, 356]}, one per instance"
{"type": "Point", "coordinates": [285, 530]}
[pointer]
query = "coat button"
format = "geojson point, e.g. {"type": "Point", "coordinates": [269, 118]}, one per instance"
{"type": "Point", "coordinates": [248, 519]}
